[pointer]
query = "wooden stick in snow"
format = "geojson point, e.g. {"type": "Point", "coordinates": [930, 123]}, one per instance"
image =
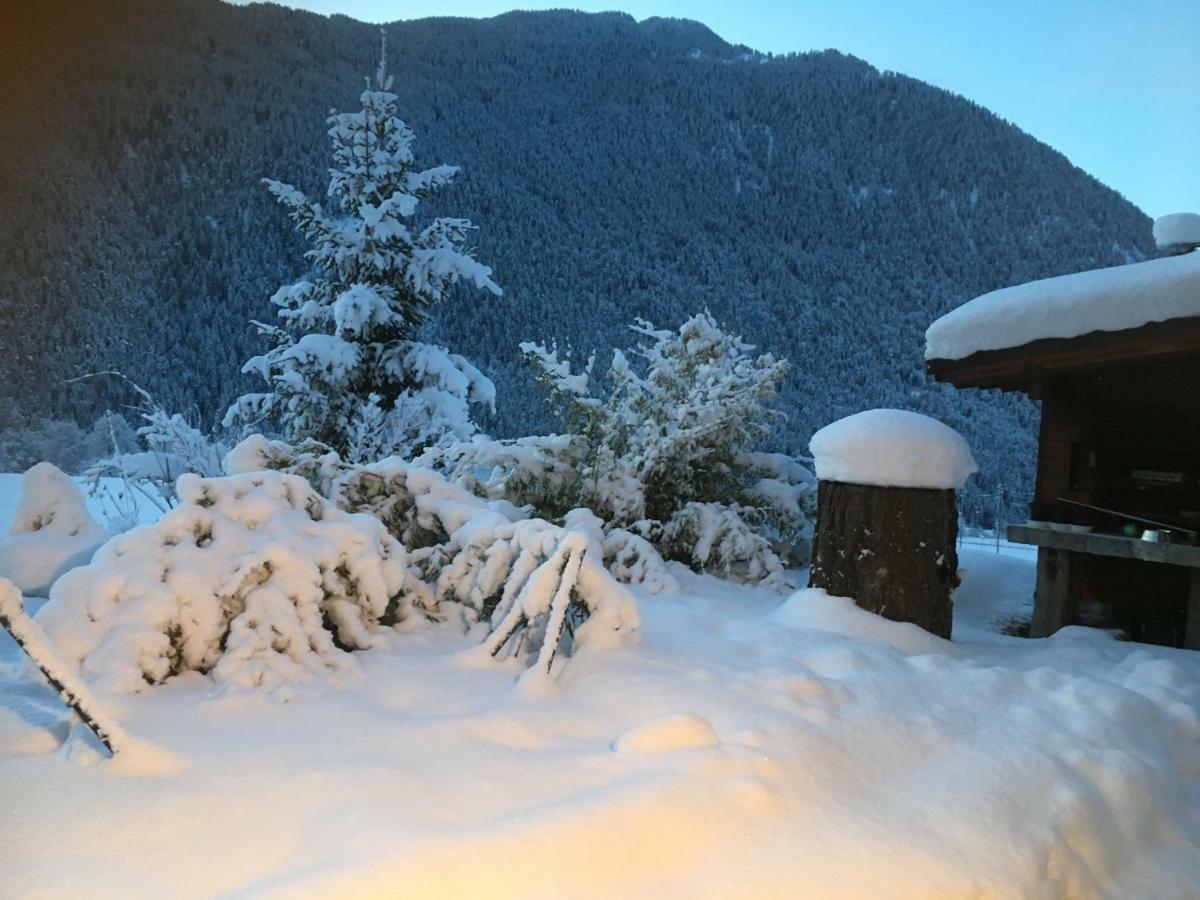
{"type": "Point", "coordinates": [73, 692]}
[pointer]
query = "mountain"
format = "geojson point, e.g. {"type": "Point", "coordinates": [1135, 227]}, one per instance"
{"type": "Point", "coordinates": [826, 210]}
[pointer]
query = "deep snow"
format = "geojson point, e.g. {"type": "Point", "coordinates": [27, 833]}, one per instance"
{"type": "Point", "coordinates": [748, 745]}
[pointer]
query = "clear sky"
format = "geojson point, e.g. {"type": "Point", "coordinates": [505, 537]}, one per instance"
{"type": "Point", "coordinates": [1113, 85]}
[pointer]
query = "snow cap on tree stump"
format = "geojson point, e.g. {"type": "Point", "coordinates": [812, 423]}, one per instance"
{"type": "Point", "coordinates": [892, 448]}
{"type": "Point", "coordinates": [886, 521]}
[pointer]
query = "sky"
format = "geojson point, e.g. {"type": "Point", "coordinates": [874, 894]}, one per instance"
{"type": "Point", "coordinates": [1113, 85]}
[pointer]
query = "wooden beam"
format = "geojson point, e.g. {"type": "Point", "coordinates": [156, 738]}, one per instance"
{"type": "Point", "coordinates": [1114, 545]}
{"type": "Point", "coordinates": [1051, 601]}
{"type": "Point", "coordinates": [1191, 634]}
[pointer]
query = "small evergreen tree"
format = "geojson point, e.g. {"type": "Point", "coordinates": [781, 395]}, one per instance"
{"type": "Point", "coordinates": [667, 450]}
{"type": "Point", "coordinates": [676, 423]}
{"type": "Point", "coordinates": [346, 368]}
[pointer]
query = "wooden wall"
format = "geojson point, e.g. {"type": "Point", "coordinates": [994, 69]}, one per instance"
{"type": "Point", "coordinates": [1099, 427]}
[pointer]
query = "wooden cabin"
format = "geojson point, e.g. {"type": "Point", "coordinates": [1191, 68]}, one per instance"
{"type": "Point", "coordinates": [1114, 357]}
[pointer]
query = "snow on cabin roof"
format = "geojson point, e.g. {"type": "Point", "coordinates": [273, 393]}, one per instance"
{"type": "Point", "coordinates": [1177, 229]}
{"type": "Point", "coordinates": [1068, 306]}
{"type": "Point", "coordinates": [892, 448]}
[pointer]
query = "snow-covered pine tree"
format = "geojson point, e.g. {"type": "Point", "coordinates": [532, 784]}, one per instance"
{"type": "Point", "coordinates": [346, 368]}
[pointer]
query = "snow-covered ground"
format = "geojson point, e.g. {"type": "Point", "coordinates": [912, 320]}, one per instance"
{"type": "Point", "coordinates": [747, 745]}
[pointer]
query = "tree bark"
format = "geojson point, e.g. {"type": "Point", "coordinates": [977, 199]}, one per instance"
{"type": "Point", "coordinates": [891, 549]}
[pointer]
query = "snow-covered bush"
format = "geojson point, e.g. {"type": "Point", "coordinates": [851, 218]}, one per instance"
{"type": "Point", "coordinates": [171, 446]}
{"type": "Point", "coordinates": [548, 597]}
{"type": "Point", "coordinates": [662, 448]}
{"type": "Point", "coordinates": [346, 368]}
{"type": "Point", "coordinates": [485, 560]}
{"type": "Point", "coordinates": [255, 578]}
{"type": "Point", "coordinates": [671, 427]}
{"type": "Point", "coordinates": [724, 538]}
{"type": "Point", "coordinates": [51, 532]}
{"type": "Point", "coordinates": [784, 494]}
{"type": "Point", "coordinates": [539, 472]}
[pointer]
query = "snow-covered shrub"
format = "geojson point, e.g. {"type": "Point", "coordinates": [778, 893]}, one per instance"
{"type": "Point", "coordinates": [566, 594]}
{"type": "Point", "coordinates": [255, 578]}
{"type": "Point", "coordinates": [346, 368]}
{"type": "Point", "coordinates": [171, 446]}
{"type": "Point", "coordinates": [723, 538]}
{"type": "Point", "coordinates": [671, 427]}
{"type": "Point", "coordinates": [784, 493]}
{"type": "Point", "coordinates": [539, 472]}
{"type": "Point", "coordinates": [663, 448]}
{"type": "Point", "coordinates": [51, 532]}
{"type": "Point", "coordinates": [482, 559]}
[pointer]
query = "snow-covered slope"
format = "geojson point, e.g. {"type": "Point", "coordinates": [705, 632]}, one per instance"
{"type": "Point", "coordinates": [749, 746]}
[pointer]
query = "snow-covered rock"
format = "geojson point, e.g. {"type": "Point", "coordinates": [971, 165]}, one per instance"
{"type": "Point", "coordinates": [1177, 229]}
{"type": "Point", "coordinates": [51, 532]}
{"type": "Point", "coordinates": [1112, 299]}
{"type": "Point", "coordinates": [892, 448]}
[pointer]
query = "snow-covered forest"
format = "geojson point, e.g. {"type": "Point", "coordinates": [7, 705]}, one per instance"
{"type": "Point", "coordinates": [825, 211]}
{"type": "Point", "coordinates": [464, 561]}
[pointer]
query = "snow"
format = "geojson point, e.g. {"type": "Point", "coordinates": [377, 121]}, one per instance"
{"type": "Point", "coordinates": [1112, 299]}
{"type": "Point", "coordinates": [1177, 229]}
{"type": "Point", "coordinates": [815, 609]}
{"type": "Point", "coordinates": [51, 530]}
{"type": "Point", "coordinates": [681, 731]}
{"type": "Point", "coordinates": [359, 308]}
{"type": "Point", "coordinates": [745, 745]}
{"type": "Point", "coordinates": [892, 448]}
{"type": "Point", "coordinates": [748, 746]}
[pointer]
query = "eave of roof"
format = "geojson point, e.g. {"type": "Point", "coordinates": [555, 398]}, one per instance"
{"type": "Point", "coordinates": [1025, 367]}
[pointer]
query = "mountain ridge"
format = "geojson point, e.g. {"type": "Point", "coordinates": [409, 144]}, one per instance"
{"type": "Point", "coordinates": [825, 209]}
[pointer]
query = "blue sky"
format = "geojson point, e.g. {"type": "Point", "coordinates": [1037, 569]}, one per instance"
{"type": "Point", "coordinates": [1113, 85]}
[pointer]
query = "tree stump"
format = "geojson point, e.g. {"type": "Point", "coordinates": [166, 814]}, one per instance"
{"type": "Point", "coordinates": [892, 549]}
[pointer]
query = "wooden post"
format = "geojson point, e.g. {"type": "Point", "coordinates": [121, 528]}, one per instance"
{"type": "Point", "coordinates": [1191, 634]}
{"type": "Point", "coordinates": [1051, 595]}
{"type": "Point", "coordinates": [890, 548]}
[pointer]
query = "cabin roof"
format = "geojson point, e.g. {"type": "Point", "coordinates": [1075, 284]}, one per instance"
{"type": "Point", "coordinates": [1012, 337]}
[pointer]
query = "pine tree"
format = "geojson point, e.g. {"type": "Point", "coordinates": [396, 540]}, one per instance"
{"type": "Point", "coordinates": [346, 368]}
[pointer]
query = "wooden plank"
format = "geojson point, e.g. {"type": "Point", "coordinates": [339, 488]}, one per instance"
{"type": "Point", "coordinates": [1114, 545]}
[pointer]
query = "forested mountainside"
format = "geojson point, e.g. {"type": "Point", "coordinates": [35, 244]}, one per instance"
{"type": "Point", "coordinates": [616, 169]}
